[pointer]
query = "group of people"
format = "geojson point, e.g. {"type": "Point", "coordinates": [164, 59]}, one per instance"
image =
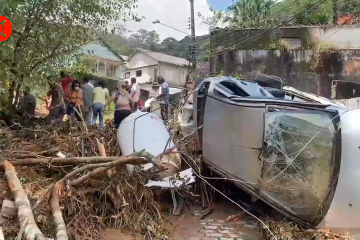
{"type": "Point", "coordinates": [69, 97]}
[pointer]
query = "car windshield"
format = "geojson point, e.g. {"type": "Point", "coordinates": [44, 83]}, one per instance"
{"type": "Point", "coordinates": [298, 157]}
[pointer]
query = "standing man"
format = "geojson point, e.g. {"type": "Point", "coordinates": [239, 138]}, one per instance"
{"type": "Point", "coordinates": [66, 81]}
{"type": "Point", "coordinates": [164, 98]}
{"type": "Point", "coordinates": [87, 92]}
{"type": "Point", "coordinates": [135, 94]}
{"type": "Point", "coordinates": [57, 107]}
{"type": "Point", "coordinates": [101, 95]}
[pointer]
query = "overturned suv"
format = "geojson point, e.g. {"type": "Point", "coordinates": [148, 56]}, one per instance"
{"type": "Point", "coordinates": [297, 152]}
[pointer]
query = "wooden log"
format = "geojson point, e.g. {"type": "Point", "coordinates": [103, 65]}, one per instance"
{"type": "Point", "coordinates": [61, 233]}
{"type": "Point", "coordinates": [22, 203]}
{"type": "Point", "coordinates": [1, 234]}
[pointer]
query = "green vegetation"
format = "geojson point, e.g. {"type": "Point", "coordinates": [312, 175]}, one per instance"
{"type": "Point", "coordinates": [46, 32]}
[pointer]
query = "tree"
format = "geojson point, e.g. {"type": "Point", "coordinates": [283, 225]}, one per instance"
{"type": "Point", "coordinates": [45, 31]}
{"type": "Point", "coordinates": [250, 13]}
{"type": "Point", "coordinates": [306, 13]}
{"type": "Point", "coordinates": [349, 7]}
{"type": "Point", "coordinates": [213, 21]}
{"type": "Point", "coordinates": [144, 39]}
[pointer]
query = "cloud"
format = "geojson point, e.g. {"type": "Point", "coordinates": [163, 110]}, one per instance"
{"type": "Point", "coordinates": [175, 13]}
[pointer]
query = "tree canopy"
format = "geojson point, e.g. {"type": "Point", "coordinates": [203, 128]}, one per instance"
{"type": "Point", "coordinates": [46, 30]}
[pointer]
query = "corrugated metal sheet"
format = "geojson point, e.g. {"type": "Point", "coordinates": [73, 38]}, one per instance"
{"type": "Point", "coordinates": [96, 49]}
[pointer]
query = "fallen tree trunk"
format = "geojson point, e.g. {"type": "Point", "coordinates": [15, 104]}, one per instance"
{"type": "Point", "coordinates": [61, 233]}
{"type": "Point", "coordinates": [102, 167]}
{"type": "Point", "coordinates": [1, 234]}
{"type": "Point", "coordinates": [22, 203]}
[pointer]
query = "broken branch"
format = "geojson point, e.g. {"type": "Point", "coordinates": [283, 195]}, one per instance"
{"type": "Point", "coordinates": [22, 203]}
{"type": "Point", "coordinates": [22, 229]}
{"type": "Point", "coordinates": [102, 152]}
{"type": "Point", "coordinates": [101, 167]}
{"type": "Point", "coordinates": [61, 233]}
{"type": "Point", "coordinates": [60, 161]}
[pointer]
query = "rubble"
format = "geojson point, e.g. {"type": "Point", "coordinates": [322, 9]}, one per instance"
{"type": "Point", "coordinates": [51, 182]}
{"type": "Point", "coordinates": [8, 209]}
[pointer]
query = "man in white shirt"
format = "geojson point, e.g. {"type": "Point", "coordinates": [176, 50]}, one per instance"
{"type": "Point", "coordinates": [135, 94]}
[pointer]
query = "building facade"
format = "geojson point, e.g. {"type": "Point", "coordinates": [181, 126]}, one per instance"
{"type": "Point", "coordinates": [102, 60]}
{"type": "Point", "coordinates": [146, 66]}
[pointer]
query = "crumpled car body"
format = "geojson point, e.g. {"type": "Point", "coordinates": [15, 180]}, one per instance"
{"type": "Point", "coordinates": [298, 156]}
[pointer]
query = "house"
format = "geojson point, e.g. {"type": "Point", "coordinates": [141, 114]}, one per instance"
{"type": "Point", "coordinates": [102, 60]}
{"type": "Point", "coordinates": [147, 65]}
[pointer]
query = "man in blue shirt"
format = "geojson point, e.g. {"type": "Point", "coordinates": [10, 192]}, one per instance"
{"type": "Point", "coordinates": [164, 98]}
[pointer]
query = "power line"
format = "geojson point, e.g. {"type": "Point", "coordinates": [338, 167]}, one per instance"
{"type": "Point", "coordinates": [225, 38]}
{"type": "Point", "coordinates": [261, 10]}
{"type": "Point", "coordinates": [279, 25]}
{"type": "Point", "coordinates": [268, 29]}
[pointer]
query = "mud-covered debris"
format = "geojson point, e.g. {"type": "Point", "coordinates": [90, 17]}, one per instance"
{"type": "Point", "coordinates": [291, 231]}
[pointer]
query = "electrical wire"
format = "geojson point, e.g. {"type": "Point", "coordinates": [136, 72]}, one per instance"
{"type": "Point", "coordinates": [242, 33]}
{"type": "Point", "coordinates": [316, 44]}
{"type": "Point", "coordinates": [215, 178]}
{"type": "Point", "coordinates": [242, 208]}
{"type": "Point", "coordinates": [319, 2]}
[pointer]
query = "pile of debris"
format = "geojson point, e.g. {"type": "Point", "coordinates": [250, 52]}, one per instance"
{"type": "Point", "coordinates": [66, 167]}
{"type": "Point", "coordinates": [69, 181]}
{"type": "Point", "coordinates": [290, 231]}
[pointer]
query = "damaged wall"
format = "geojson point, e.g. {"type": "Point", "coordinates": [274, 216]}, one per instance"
{"type": "Point", "coordinates": [290, 54]}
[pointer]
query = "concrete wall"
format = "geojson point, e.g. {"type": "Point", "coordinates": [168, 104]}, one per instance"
{"type": "Point", "coordinates": [297, 65]}
{"type": "Point", "coordinates": [173, 75]}
{"type": "Point", "coordinates": [353, 103]}
{"type": "Point", "coordinates": [147, 74]}
{"type": "Point", "coordinates": [139, 60]}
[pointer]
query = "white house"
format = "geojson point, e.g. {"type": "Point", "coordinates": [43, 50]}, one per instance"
{"type": "Point", "coordinates": [102, 60]}
{"type": "Point", "coordinates": [147, 65]}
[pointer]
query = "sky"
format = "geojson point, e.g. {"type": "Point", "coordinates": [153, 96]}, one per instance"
{"type": "Point", "coordinates": [219, 4]}
{"type": "Point", "coordinates": [175, 13]}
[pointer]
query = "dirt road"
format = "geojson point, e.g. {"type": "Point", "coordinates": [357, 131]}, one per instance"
{"type": "Point", "coordinates": [187, 227]}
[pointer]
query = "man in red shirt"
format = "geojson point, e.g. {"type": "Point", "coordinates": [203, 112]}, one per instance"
{"type": "Point", "coordinates": [66, 81]}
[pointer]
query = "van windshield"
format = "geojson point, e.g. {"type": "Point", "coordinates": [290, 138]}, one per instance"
{"type": "Point", "coordinates": [297, 160]}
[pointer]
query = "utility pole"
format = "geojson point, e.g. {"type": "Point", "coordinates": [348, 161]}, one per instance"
{"type": "Point", "coordinates": [192, 40]}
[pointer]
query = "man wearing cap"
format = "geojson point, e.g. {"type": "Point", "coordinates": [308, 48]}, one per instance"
{"type": "Point", "coordinates": [57, 107]}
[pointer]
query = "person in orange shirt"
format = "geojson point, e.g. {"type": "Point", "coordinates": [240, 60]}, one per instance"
{"type": "Point", "coordinates": [74, 99]}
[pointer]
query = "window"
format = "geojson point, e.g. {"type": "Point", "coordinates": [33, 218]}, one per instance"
{"type": "Point", "coordinates": [155, 74]}
{"type": "Point", "coordinates": [295, 177]}
{"type": "Point", "coordinates": [235, 89]}
{"type": "Point", "coordinates": [101, 67]}
{"type": "Point", "coordinates": [127, 75]}
{"type": "Point", "coordinates": [138, 73]}
{"type": "Point", "coordinates": [110, 70]}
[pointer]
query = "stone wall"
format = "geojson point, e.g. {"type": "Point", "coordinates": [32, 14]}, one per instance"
{"type": "Point", "coordinates": [297, 63]}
